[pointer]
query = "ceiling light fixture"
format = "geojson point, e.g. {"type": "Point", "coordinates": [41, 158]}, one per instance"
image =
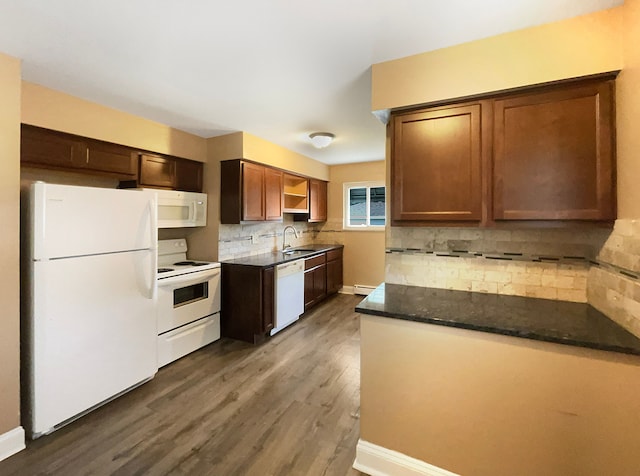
{"type": "Point", "coordinates": [320, 140]}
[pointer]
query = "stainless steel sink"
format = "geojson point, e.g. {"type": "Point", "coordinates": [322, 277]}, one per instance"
{"type": "Point", "coordinates": [296, 252]}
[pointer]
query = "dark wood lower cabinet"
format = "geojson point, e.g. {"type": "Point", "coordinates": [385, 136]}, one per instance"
{"type": "Point", "coordinates": [334, 271]}
{"type": "Point", "coordinates": [315, 282]}
{"type": "Point", "coordinates": [248, 294]}
{"type": "Point", "coordinates": [322, 277]}
{"type": "Point", "coordinates": [248, 302]}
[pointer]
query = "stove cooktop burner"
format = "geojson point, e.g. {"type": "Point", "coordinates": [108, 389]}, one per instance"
{"type": "Point", "coordinates": [164, 270]}
{"type": "Point", "coordinates": [189, 263]}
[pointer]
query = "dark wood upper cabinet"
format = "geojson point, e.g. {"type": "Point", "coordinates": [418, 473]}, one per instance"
{"type": "Point", "coordinates": [157, 171]}
{"type": "Point", "coordinates": [437, 164]}
{"type": "Point", "coordinates": [250, 192]}
{"type": "Point", "coordinates": [51, 149]}
{"type": "Point", "coordinates": [43, 147]}
{"type": "Point", "coordinates": [273, 197]}
{"type": "Point", "coordinates": [189, 175]}
{"type": "Point", "coordinates": [170, 172]}
{"type": "Point", "coordinates": [253, 206]}
{"type": "Point", "coordinates": [115, 158]}
{"type": "Point", "coordinates": [46, 148]}
{"type": "Point", "coordinates": [553, 155]}
{"type": "Point", "coordinates": [542, 154]}
{"type": "Point", "coordinates": [317, 200]}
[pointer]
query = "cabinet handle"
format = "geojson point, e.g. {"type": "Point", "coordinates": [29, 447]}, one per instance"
{"type": "Point", "coordinates": [87, 156]}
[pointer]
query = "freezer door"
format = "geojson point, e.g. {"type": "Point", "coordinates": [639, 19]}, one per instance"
{"type": "Point", "coordinates": [77, 221]}
{"type": "Point", "coordinates": [93, 333]}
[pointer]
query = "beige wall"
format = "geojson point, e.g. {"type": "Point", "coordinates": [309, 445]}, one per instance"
{"type": "Point", "coordinates": [10, 243]}
{"type": "Point", "coordinates": [482, 404]}
{"type": "Point", "coordinates": [266, 152]}
{"type": "Point", "coordinates": [55, 110]}
{"type": "Point", "coordinates": [628, 115]}
{"type": "Point", "coordinates": [204, 243]}
{"type": "Point", "coordinates": [363, 250]}
{"type": "Point", "coordinates": [576, 47]}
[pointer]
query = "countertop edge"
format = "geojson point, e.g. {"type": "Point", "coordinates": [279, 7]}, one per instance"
{"type": "Point", "coordinates": [500, 331]}
{"type": "Point", "coordinates": [281, 259]}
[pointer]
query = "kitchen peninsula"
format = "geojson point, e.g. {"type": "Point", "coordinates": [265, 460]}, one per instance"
{"type": "Point", "coordinates": [493, 384]}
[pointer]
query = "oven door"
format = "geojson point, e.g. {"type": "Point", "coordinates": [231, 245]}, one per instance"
{"type": "Point", "coordinates": [184, 299]}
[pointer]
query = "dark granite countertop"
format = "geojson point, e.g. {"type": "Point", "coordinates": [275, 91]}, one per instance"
{"type": "Point", "coordinates": [266, 260]}
{"type": "Point", "coordinates": [560, 322]}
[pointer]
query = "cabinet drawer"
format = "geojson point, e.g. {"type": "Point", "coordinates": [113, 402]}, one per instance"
{"type": "Point", "coordinates": [315, 261]}
{"type": "Point", "coordinates": [334, 255]}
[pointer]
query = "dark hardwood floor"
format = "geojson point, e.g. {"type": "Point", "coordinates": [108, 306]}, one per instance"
{"type": "Point", "coordinates": [287, 407]}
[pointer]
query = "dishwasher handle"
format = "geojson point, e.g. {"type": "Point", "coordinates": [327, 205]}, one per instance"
{"type": "Point", "coordinates": [290, 268]}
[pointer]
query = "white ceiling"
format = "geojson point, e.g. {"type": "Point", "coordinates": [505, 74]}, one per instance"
{"type": "Point", "coordinates": [278, 69]}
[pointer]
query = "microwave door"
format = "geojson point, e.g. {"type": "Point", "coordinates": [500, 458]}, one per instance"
{"type": "Point", "coordinates": [174, 214]}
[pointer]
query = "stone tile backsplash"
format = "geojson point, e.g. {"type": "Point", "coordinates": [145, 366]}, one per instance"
{"type": "Point", "coordinates": [596, 265]}
{"type": "Point", "coordinates": [542, 242]}
{"type": "Point", "coordinates": [237, 241]}
{"type": "Point", "coordinates": [615, 290]}
{"type": "Point", "coordinates": [565, 282]}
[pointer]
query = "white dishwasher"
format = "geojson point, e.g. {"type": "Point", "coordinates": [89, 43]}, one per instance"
{"type": "Point", "coordinates": [289, 293]}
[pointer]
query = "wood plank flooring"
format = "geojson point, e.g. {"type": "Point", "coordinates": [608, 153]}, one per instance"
{"type": "Point", "coordinates": [287, 407]}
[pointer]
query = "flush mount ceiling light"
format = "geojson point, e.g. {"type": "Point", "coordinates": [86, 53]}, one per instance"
{"type": "Point", "coordinates": [320, 140]}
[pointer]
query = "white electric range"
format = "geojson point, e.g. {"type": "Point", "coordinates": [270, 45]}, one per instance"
{"type": "Point", "coordinates": [188, 302]}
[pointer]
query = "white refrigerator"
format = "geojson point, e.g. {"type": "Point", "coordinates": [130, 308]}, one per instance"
{"type": "Point", "coordinates": [90, 331]}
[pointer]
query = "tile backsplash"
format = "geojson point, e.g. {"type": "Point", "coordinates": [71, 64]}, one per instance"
{"type": "Point", "coordinates": [542, 263]}
{"type": "Point", "coordinates": [615, 289]}
{"type": "Point", "coordinates": [594, 265]}
{"type": "Point", "coordinates": [237, 241]}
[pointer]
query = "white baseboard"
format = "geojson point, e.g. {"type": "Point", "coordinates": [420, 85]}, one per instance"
{"type": "Point", "coordinates": [346, 290]}
{"type": "Point", "coordinates": [379, 461]}
{"type": "Point", "coordinates": [363, 289]}
{"type": "Point", "coordinates": [11, 442]}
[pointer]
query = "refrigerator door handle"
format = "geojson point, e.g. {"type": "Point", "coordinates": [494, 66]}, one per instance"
{"type": "Point", "coordinates": [153, 225]}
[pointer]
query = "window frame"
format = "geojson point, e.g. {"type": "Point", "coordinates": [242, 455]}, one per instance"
{"type": "Point", "coordinates": [346, 186]}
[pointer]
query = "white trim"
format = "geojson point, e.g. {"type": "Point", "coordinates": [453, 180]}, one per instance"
{"type": "Point", "coordinates": [346, 290]}
{"type": "Point", "coordinates": [378, 461]}
{"type": "Point", "coordinates": [11, 442]}
{"type": "Point", "coordinates": [363, 289]}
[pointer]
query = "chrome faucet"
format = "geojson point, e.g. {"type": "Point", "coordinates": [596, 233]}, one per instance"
{"type": "Point", "coordinates": [284, 236]}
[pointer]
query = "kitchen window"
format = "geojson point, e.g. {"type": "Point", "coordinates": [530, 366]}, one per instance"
{"type": "Point", "coordinates": [364, 206]}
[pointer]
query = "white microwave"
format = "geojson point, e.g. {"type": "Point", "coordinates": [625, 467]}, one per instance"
{"type": "Point", "coordinates": [178, 209]}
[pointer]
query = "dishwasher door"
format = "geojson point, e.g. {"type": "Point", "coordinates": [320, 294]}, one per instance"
{"type": "Point", "coordinates": [289, 294]}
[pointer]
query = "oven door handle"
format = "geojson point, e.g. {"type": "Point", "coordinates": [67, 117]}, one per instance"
{"type": "Point", "coordinates": [188, 279]}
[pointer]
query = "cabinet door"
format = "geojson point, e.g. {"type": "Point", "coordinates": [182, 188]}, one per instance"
{"type": "Point", "coordinates": [157, 171]}
{"type": "Point", "coordinates": [114, 158]}
{"type": "Point", "coordinates": [268, 299]}
{"type": "Point", "coordinates": [436, 164]}
{"type": "Point", "coordinates": [334, 271]}
{"type": "Point", "coordinates": [317, 200]}
{"type": "Point", "coordinates": [189, 175]}
{"type": "Point", "coordinates": [315, 286]}
{"type": "Point", "coordinates": [42, 147]}
{"type": "Point", "coordinates": [252, 192]}
{"type": "Point", "coordinates": [273, 199]}
{"type": "Point", "coordinates": [553, 155]}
